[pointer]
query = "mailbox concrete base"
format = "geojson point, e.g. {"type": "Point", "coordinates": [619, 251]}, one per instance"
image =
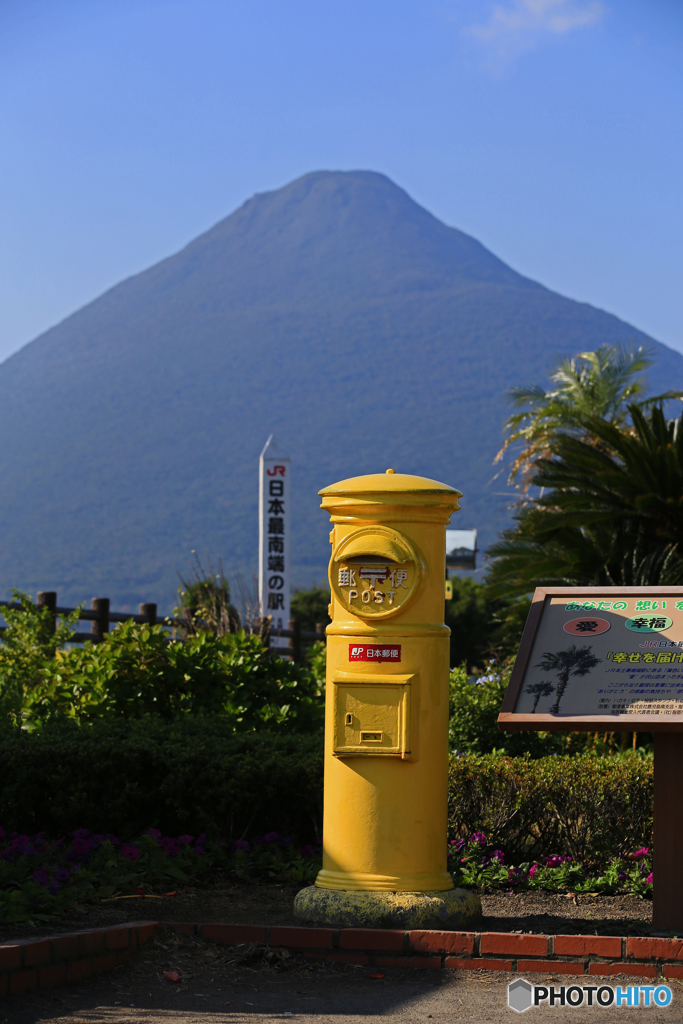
{"type": "Point", "coordinates": [454, 910]}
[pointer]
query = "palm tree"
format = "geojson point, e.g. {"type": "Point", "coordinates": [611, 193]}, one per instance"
{"type": "Point", "coordinates": [575, 661]}
{"type": "Point", "coordinates": [610, 512]}
{"type": "Point", "coordinates": [538, 690]}
{"type": "Point", "coordinates": [598, 384]}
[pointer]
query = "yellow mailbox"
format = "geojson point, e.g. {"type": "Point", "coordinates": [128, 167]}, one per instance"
{"type": "Point", "coordinates": [386, 719]}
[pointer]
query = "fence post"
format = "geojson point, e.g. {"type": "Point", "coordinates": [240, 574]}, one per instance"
{"type": "Point", "coordinates": [150, 613]}
{"type": "Point", "coordinates": [294, 642]}
{"type": "Point", "coordinates": [100, 625]}
{"type": "Point", "coordinates": [48, 599]}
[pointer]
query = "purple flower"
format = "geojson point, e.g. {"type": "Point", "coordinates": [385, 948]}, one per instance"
{"type": "Point", "coordinates": [556, 861]}
{"type": "Point", "coordinates": [154, 833]}
{"type": "Point", "coordinates": [499, 856]}
{"type": "Point", "coordinates": [112, 839]}
{"type": "Point", "coordinates": [478, 837]}
{"type": "Point", "coordinates": [41, 876]}
{"type": "Point", "coordinates": [62, 875]}
{"type": "Point", "coordinates": [240, 844]}
{"type": "Point", "coordinates": [38, 841]}
{"type": "Point", "coordinates": [270, 837]}
{"type": "Point", "coordinates": [53, 888]}
{"type": "Point", "coordinates": [643, 852]}
{"type": "Point", "coordinates": [96, 842]}
{"type": "Point", "coordinates": [184, 840]}
{"type": "Point", "coordinates": [81, 833]}
{"type": "Point", "coordinates": [201, 840]}
{"type": "Point", "coordinates": [200, 851]}
{"type": "Point", "coordinates": [80, 849]}
{"type": "Point", "coordinates": [130, 852]}
{"type": "Point", "coordinates": [306, 851]}
{"type": "Point", "coordinates": [621, 876]}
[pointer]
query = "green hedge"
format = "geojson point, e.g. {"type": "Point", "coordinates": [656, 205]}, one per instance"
{"type": "Point", "coordinates": [196, 775]}
{"type": "Point", "coordinates": [585, 806]}
{"type": "Point", "coordinates": [193, 775]}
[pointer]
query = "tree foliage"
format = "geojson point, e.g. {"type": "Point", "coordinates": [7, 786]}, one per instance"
{"type": "Point", "coordinates": [309, 607]}
{"type": "Point", "coordinates": [609, 507]}
{"type": "Point", "coordinates": [29, 645]}
{"type": "Point", "coordinates": [205, 600]}
{"type": "Point", "coordinates": [601, 384]}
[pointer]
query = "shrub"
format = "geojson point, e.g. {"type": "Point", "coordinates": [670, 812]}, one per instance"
{"type": "Point", "coordinates": [191, 775]}
{"type": "Point", "coordinates": [474, 705]}
{"type": "Point", "coordinates": [475, 702]}
{"type": "Point", "coordinates": [590, 808]}
{"type": "Point", "coordinates": [136, 671]}
{"type": "Point", "coordinates": [29, 644]}
{"type": "Point", "coordinates": [197, 775]}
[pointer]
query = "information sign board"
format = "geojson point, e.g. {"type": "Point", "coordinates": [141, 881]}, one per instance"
{"type": "Point", "coordinates": [599, 659]}
{"type": "Point", "coordinates": [275, 525]}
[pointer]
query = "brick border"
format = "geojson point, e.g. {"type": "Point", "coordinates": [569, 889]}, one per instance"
{"type": "Point", "coordinates": [46, 962]}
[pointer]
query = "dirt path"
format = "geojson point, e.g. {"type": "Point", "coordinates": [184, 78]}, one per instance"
{"type": "Point", "coordinates": [230, 903]}
{"type": "Point", "coordinates": [237, 986]}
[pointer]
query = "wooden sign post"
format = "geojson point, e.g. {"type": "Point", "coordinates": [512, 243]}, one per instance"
{"type": "Point", "coordinates": [611, 659]}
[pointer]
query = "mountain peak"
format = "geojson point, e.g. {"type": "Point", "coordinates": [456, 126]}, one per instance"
{"type": "Point", "coordinates": [341, 233]}
{"type": "Point", "coordinates": [335, 313]}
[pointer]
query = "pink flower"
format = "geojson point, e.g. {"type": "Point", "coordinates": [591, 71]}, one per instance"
{"type": "Point", "coordinates": [649, 879]}
{"type": "Point", "coordinates": [130, 852]}
{"type": "Point", "coordinates": [643, 852]}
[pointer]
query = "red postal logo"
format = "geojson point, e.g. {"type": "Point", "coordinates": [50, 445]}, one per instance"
{"type": "Point", "coordinates": [374, 652]}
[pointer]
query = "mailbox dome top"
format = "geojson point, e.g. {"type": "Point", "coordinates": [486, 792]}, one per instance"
{"type": "Point", "coordinates": [385, 486]}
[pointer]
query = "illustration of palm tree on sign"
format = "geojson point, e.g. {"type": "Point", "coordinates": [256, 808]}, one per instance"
{"type": "Point", "coordinates": [538, 690]}
{"type": "Point", "coordinates": [575, 661]}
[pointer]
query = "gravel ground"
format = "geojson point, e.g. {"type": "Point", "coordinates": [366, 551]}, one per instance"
{"type": "Point", "coordinates": [231, 903]}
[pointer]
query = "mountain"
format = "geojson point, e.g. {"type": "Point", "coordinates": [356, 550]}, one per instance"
{"type": "Point", "coordinates": [335, 312]}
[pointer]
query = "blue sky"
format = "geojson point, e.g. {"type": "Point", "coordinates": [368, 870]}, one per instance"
{"type": "Point", "coordinates": [551, 130]}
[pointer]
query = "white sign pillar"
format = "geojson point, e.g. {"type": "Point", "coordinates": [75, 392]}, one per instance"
{"type": "Point", "coordinates": [274, 529]}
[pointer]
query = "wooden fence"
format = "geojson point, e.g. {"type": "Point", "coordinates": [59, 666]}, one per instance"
{"type": "Point", "coordinates": [100, 617]}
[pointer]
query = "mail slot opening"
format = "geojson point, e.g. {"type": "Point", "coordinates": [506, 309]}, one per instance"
{"type": "Point", "coordinates": [372, 716]}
